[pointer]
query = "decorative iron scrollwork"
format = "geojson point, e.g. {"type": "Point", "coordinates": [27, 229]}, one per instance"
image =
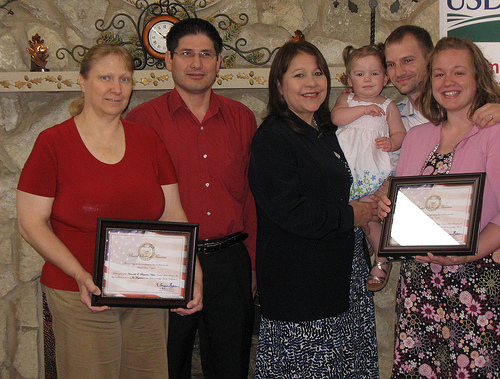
{"type": "Point", "coordinates": [353, 7]}
{"type": "Point", "coordinates": [3, 6]}
{"type": "Point", "coordinates": [230, 31]}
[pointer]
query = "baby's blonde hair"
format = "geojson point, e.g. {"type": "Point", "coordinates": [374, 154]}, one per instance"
{"type": "Point", "coordinates": [350, 54]}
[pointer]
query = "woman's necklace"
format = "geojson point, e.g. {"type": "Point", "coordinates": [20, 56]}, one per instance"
{"type": "Point", "coordinates": [314, 124]}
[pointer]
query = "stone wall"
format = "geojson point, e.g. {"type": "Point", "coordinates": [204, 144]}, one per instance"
{"type": "Point", "coordinates": [67, 23]}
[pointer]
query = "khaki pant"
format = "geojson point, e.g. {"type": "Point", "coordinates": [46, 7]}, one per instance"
{"type": "Point", "coordinates": [118, 343]}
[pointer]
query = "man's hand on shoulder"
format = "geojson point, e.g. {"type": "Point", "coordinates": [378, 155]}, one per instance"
{"type": "Point", "coordinates": [487, 115]}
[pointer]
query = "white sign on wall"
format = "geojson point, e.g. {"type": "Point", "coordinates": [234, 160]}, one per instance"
{"type": "Point", "coordinates": [476, 20]}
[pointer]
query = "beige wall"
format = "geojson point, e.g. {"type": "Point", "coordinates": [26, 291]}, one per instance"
{"type": "Point", "coordinates": [24, 114]}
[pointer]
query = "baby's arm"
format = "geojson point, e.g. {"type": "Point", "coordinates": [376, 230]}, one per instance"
{"type": "Point", "coordinates": [397, 130]}
{"type": "Point", "coordinates": [342, 114]}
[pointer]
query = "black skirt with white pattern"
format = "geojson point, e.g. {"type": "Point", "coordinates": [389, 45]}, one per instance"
{"type": "Point", "coordinates": [342, 347]}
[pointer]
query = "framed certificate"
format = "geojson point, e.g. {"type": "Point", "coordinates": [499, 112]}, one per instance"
{"type": "Point", "coordinates": [438, 214]}
{"type": "Point", "coordinates": [144, 263]}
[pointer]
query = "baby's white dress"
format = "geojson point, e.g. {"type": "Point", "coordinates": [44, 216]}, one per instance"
{"type": "Point", "coordinates": [369, 166]}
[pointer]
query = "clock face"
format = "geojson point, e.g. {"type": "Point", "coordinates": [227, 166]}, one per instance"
{"type": "Point", "coordinates": [155, 33]}
{"type": "Point", "coordinates": [157, 36]}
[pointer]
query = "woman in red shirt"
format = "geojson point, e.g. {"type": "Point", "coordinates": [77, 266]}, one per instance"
{"type": "Point", "coordinates": [98, 165]}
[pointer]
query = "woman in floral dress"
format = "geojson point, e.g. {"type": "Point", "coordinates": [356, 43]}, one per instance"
{"type": "Point", "coordinates": [448, 308]}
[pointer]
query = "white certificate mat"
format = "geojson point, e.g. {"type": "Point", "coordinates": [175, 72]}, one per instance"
{"type": "Point", "coordinates": [144, 263]}
{"type": "Point", "coordinates": [438, 214]}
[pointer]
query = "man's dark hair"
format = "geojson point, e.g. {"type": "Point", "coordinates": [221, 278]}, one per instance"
{"type": "Point", "coordinates": [420, 34]}
{"type": "Point", "coordinates": [192, 26]}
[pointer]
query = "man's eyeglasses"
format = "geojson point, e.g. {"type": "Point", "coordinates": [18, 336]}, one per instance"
{"type": "Point", "coordinates": [204, 55]}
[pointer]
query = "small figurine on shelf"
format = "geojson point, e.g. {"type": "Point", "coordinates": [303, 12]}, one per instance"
{"type": "Point", "coordinates": [38, 54]}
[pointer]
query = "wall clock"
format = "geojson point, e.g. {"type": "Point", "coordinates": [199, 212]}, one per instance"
{"type": "Point", "coordinates": [155, 33]}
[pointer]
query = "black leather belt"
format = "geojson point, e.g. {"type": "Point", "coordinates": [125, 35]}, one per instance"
{"type": "Point", "coordinates": [216, 245]}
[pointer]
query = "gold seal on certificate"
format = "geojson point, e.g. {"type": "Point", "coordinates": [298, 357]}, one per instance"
{"type": "Point", "coordinates": [146, 251]}
{"type": "Point", "coordinates": [433, 203]}
{"type": "Point", "coordinates": [144, 263]}
{"type": "Point", "coordinates": [438, 214]}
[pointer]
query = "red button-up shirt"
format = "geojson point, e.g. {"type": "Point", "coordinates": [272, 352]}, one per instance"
{"type": "Point", "coordinates": [211, 160]}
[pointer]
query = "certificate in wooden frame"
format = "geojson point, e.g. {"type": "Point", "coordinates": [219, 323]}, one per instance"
{"type": "Point", "coordinates": [144, 263]}
{"type": "Point", "coordinates": [438, 214]}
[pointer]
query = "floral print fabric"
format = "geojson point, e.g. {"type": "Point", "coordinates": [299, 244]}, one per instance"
{"type": "Point", "coordinates": [448, 320]}
{"type": "Point", "coordinates": [438, 164]}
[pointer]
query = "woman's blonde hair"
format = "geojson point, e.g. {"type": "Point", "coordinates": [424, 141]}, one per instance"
{"type": "Point", "coordinates": [92, 56]}
{"type": "Point", "coordinates": [487, 88]}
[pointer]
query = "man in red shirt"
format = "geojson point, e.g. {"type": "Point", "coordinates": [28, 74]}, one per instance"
{"type": "Point", "coordinates": [208, 138]}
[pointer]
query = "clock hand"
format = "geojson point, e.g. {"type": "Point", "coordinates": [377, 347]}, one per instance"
{"type": "Point", "coordinates": [157, 32]}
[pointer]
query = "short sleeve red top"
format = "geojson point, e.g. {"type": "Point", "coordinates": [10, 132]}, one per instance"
{"type": "Point", "coordinates": [84, 188]}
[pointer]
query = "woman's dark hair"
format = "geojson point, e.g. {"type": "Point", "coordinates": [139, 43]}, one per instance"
{"type": "Point", "coordinates": [487, 88]}
{"type": "Point", "coordinates": [281, 62]}
{"type": "Point", "coordinates": [95, 54]}
{"type": "Point", "coordinates": [192, 26]}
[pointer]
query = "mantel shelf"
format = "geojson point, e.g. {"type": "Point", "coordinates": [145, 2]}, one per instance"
{"type": "Point", "coordinates": [144, 80]}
